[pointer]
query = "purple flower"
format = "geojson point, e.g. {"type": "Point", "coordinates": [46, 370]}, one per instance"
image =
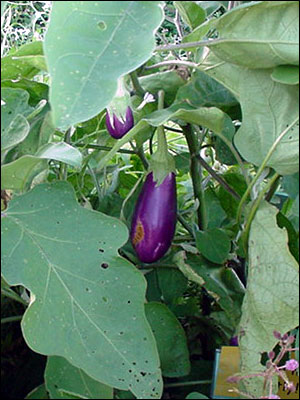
{"type": "Point", "coordinates": [118, 128]}
{"type": "Point", "coordinates": [291, 365]}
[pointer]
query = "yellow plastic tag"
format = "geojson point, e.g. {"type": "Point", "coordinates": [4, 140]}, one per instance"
{"type": "Point", "coordinates": [229, 365]}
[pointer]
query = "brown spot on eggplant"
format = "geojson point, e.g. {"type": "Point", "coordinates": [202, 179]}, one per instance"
{"type": "Point", "coordinates": [139, 233]}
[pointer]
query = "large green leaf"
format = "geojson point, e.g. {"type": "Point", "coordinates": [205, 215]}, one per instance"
{"type": "Point", "coordinates": [25, 62]}
{"type": "Point", "coordinates": [201, 90]}
{"type": "Point", "coordinates": [276, 42]}
{"type": "Point", "coordinates": [272, 297]}
{"type": "Point", "coordinates": [87, 303]}
{"type": "Point", "coordinates": [88, 46]}
{"type": "Point", "coordinates": [170, 338]}
{"type": "Point", "coordinates": [62, 378]}
{"type": "Point", "coordinates": [265, 118]}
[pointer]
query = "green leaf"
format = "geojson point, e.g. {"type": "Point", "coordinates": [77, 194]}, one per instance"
{"type": "Point", "coordinates": [265, 118]}
{"type": "Point", "coordinates": [61, 152]}
{"type": "Point", "coordinates": [213, 244]}
{"type": "Point", "coordinates": [25, 62]}
{"type": "Point", "coordinates": [196, 395]}
{"type": "Point", "coordinates": [18, 174]}
{"type": "Point", "coordinates": [37, 90]}
{"type": "Point", "coordinates": [293, 236]}
{"type": "Point", "coordinates": [191, 13]}
{"type": "Point", "coordinates": [237, 182]}
{"type": "Point", "coordinates": [212, 117]}
{"type": "Point", "coordinates": [87, 303]}
{"type": "Point", "coordinates": [168, 81]}
{"type": "Point", "coordinates": [172, 283]}
{"type": "Point", "coordinates": [221, 282]}
{"type": "Point", "coordinates": [40, 392]}
{"type": "Point", "coordinates": [290, 184]}
{"type": "Point", "coordinates": [16, 102]}
{"type": "Point", "coordinates": [293, 213]}
{"type": "Point", "coordinates": [170, 339]}
{"type": "Point", "coordinates": [198, 33]}
{"type": "Point", "coordinates": [203, 91]}
{"type": "Point", "coordinates": [215, 213]}
{"type": "Point", "coordinates": [241, 43]}
{"type": "Point", "coordinates": [272, 297]}
{"type": "Point", "coordinates": [287, 74]}
{"type": "Point", "coordinates": [61, 377]}
{"type": "Point", "coordinates": [88, 46]}
{"type": "Point", "coordinates": [223, 152]}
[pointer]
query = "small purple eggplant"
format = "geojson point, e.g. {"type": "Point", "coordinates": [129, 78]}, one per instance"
{"type": "Point", "coordinates": [154, 220]}
{"type": "Point", "coordinates": [118, 128]}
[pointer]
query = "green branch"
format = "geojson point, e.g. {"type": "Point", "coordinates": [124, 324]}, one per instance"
{"type": "Point", "coordinates": [196, 174]}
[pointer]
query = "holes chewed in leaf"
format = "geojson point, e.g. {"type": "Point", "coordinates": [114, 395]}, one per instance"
{"type": "Point", "coordinates": [102, 25]}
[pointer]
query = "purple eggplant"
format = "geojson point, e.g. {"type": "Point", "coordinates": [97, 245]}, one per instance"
{"type": "Point", "coordinates": [118, 127]}
{"type": "Point", "coordinates": [154, 220]}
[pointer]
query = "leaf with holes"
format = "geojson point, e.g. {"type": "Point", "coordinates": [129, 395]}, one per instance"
{"type": "Point", "coordinates": [272, 297]}
{"type": "Point", "coordinates": [88, 46]}
{"type": "Point", "coordinates": [87, 303]}
{"type": "Point", "coordinates": [61, 377]}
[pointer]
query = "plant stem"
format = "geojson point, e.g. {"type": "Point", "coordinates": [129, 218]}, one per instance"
{"type": "Point", "coordinates": [273, 189]}
{"type": "Point", "coordinates": [13, 295]}
{"type": "Point", "coordinates": [236, 156]}
{"type": "Point", "coordinates": [261, 168]}
{"type": "Point", "coordinates": [186, 45]}
{"type": "Point", "coordinates": [136, 84]}
{"type": "Point", "coordinates": [105, 148]}
{"type": "Point", "coordinates": [257, 203]}
{"type": "Point", "coordinates": [96, 183]}
{"type": "Point", "coordinates": [11, 319]}
{"type": "Point", "coordinates": [185, 224]}
{"type": "Point", "coordinates": [191, 383]}
{"type": "Point", "coordinates": [217, 177]}
{"type": "Point", "coordinates": [169, 128]}
{"type": "Point", "coordinates": [195, 171]}
{"type": "Point", "coordinates": [173, 62]}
